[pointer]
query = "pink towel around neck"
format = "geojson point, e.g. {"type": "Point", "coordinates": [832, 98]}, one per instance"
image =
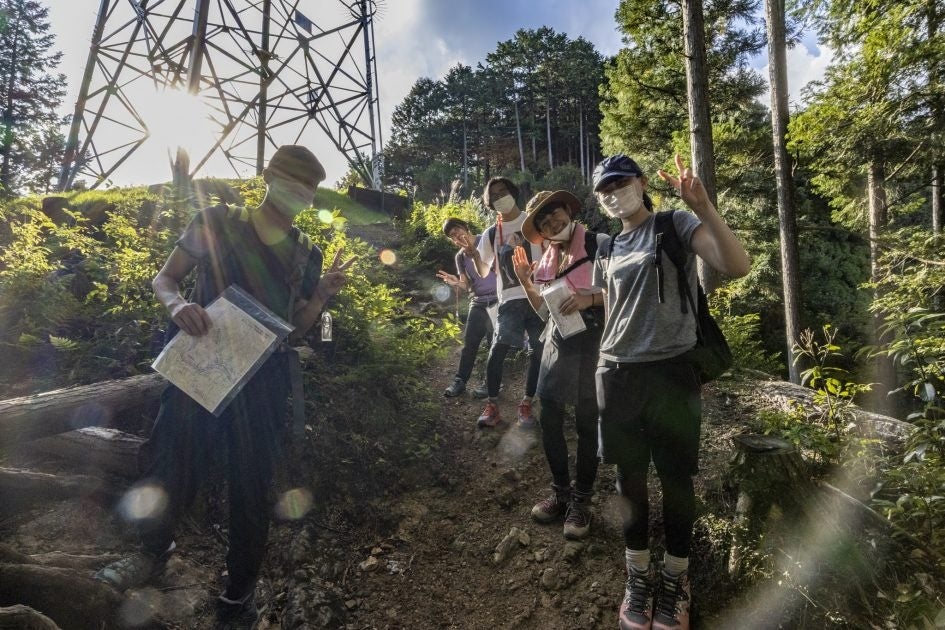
{"type": "Point", "coordinates": [579, 278]}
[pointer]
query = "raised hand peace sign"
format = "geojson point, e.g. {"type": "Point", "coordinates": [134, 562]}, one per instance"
{"type": "Point", "coordinates": [690, 187]}
{"type": "Point", "coordinates": [333, 279]}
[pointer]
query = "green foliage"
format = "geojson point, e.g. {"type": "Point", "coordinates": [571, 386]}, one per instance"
{"type": "Point", "coordinates": [644, 96]}
{"type": "Point", "coordinates": [834, 393]}
{"type": "Point", "coordinates": [911, 297]}
{"type": "Point", "coordinates": [910, 491]}
{"type": "Point", "coordinates": [742, 334]}
{"type": "Point", "coordinates": [30, 94]}
{"type": "Point", "coordinates": [427, 219]}
{"type": "Point", "coordinates": [426, 248]}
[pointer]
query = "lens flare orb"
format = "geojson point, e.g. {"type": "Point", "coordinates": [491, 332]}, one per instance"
{"type": "Point", "coordinates": [143, 502]}
{"type": "Point", "coordinates": [294, 504]}
{"type": "Point", "coordinates": [387, 257]}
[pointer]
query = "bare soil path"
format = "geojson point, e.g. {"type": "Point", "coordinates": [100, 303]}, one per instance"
{"type": "Point", "coordinates": [465, 554]}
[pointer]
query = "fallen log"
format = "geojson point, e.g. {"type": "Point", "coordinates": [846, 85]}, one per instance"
{"type": "Point", "coordinates": [76, 562]}
{"type": "Point", "coordinates": [888, 527]}
{"type": "Point", "coordinates": [70, 599]}
{"type": "Point", "coordinates": [889, 430]}
{"type": "Point", "coordinates": [61, 410]}
{"type": "Point", "coordinates": [95, 448]}
{"type": "Point", "coordinates": [20, 488]}
{"type": "Point", "coordinates": [25, 618]}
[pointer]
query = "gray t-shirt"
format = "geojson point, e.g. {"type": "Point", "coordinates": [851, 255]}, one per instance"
{"type": "Point", "coordinates": [638, 327]}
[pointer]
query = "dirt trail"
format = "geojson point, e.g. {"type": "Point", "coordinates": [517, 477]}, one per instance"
{"type": "Point", "coordinates": [446, 565]}
{"type": "Point", "coordinates": [426, 558]}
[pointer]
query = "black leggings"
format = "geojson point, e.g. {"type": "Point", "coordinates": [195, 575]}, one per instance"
{"type": "Point", "coordinates": [556, 447]}
{"type": "Point", "coordinates": [679, 510]}
{"type": "Point", "coordinates": [478, 327]}
{"type": "Point", "coordinates": [652, 411]}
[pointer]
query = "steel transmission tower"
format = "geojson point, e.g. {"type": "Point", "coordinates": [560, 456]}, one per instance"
{"type": "Point", "coordinates": [265, 69]}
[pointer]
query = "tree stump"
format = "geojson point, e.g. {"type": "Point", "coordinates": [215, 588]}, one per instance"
{"type": "Point", "coordinates": [769, 472]}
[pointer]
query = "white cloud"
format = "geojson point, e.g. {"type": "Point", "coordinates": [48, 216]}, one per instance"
{"type": "Point", "coordinates": [803, 66]}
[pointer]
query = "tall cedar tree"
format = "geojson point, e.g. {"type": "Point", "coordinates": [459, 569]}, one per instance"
{"type": "Point", "coordinates": [29, 95]}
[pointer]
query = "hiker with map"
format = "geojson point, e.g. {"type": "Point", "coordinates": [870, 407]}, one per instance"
{"type": "Point", "coordinates": [262, 253]}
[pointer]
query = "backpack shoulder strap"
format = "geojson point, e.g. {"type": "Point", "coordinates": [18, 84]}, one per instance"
{"type": "Point", "coordinates": [667, 240]}
{"type": "Point", "coordinates": [590, 244]}
{"type": "Point", "coordinates": [590, 253]}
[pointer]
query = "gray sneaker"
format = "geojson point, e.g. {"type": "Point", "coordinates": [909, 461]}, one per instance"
{"type": "Point", "coordinates": [134, 570]}
{"type": "Point", "coordinates": [457, 388]}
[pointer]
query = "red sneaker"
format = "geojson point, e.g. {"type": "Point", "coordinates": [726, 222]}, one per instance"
{"type": "Point", "coordinates": [525, 418]}
{"type": "Point", "coordinates": [489, 416]}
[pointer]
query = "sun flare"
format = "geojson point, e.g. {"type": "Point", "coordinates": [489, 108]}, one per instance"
{"type": "Point", "coordinates": [175, 118]}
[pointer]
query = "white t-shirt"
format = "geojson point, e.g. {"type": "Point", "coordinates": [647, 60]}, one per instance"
{"type": "Point", "coordinates": [507, 235]}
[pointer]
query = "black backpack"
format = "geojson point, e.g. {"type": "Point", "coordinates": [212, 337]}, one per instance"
{"type": "Point", "coordinates": [711, 355]}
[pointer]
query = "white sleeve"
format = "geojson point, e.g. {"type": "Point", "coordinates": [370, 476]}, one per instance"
{"type": "Point", "coordinates": [486, 252]}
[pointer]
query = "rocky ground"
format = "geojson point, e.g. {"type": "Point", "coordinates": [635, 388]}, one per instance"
{"type": "Point", "coordinates": [458, 553]}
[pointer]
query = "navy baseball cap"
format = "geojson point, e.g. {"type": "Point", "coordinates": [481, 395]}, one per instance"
{"type": "Point", "coordinates": [615, 167]}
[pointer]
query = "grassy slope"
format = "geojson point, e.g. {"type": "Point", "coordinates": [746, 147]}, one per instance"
{"type": "Point", "coordinates": [350, 209]}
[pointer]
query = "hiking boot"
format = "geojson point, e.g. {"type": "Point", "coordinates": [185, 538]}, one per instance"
{"type": "Point", "coordinates": [238, 614]}
{"type": "Point", "coordinates": [671, 610]}
{"type": "Point", "coordinates": [554, 506]}
{"type": "Point", "coordinates": [481, 392]}
{"type": "Point", "coordinates": [525, 418]}
{"type": "Point", "coordinates": [489, 416]}
{"type": "Point", "coordinates": [577, 523]}
{"type": "Point", "coordinates": [636, 609]}
{"type": "Point", "coordinates": [457, 388]}
{"type": "Point", "coordinates": [134, 570]}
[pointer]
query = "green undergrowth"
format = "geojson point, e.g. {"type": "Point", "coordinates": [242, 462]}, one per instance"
{"type": "Point", "coordinates": [76, 307]}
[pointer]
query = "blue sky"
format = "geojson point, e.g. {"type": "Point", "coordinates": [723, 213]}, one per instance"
{"type": "Point", "coordinates": [415, 38]}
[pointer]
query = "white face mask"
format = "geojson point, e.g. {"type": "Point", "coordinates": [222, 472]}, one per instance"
{"type": "Point", "coordinates": [623, 202]}
{"type": "Point", "coordinates": [504, 204]}
{"type": "Point", "coordinates": [288, 199]}
{"type": "Point", "coordinates": [564, 235]}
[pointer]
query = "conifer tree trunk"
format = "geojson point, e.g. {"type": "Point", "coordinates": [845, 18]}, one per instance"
{"type": "Point", "coordinates": [6, 177]}
{"type": "Point", "coordinates": [551, 163]}
{"type": "Point", "coordinates": [937, 214]}
{"type": "Point", "coordinates": [932, 24]}
{"type": "Point", "coordinates": [700, 123]}
{"type": "Point", "coordinates": [790, 275]}
{"type": "Point", "coordinates": [581, 140]}
{"type": "Point", "coordinates": [885, 375]}
{"type": "Point", "coordinates": [518, 130]}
